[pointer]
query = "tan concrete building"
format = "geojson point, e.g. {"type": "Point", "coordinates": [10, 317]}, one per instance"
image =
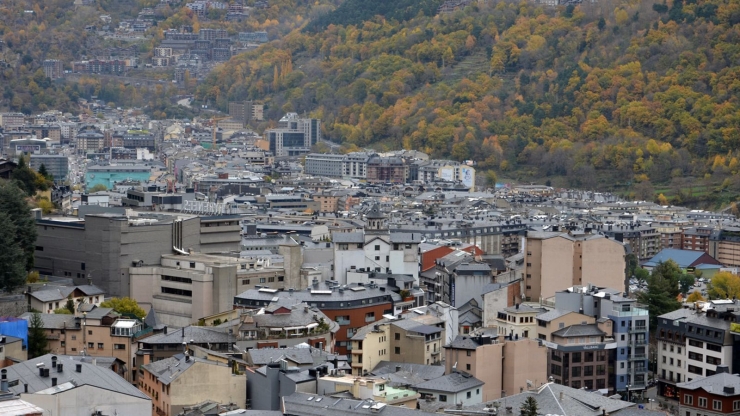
{"type": "Point", "coordinates": [184, 289]}
{"type": "Point", "coordinates": [100, 332]}
{"type": "Point", "coordinates": [554, 320]}
{"type": "Point", "coordinates": [11, 350]}
{"type": "Point", "coordinates": [518, 321]}
{"type": "Point", "coordinates": [174, 384]}
{"type": "Point", "coordinates": [412, 339]}
{"type": "Point", "coordinates": [502, 366]}
{"type": "Point", "coordinates": [554, 261]}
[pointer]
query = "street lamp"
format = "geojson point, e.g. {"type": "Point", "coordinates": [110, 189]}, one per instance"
{"type": "Point", "coordinates": [628, 393]}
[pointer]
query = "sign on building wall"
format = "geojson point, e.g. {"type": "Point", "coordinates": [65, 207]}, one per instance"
{"type": "Point", "coordinates": [467, 176]}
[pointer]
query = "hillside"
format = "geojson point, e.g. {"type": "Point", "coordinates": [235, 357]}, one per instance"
{"type": "Point", "coordinates": [630, 97]}
{"type": "Point", "coordinates": [355, 12]}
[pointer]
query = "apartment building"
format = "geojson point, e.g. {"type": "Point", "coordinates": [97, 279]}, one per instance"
{"type": "Point", "coordinates": [482, 356]}
{"type": "Point", "coordinates": [556, 260]}
{"type": "Point", "coordinates": [582, 356]}
{"type": "Point", "coordinates": [294, 135]}
{"type": "Point", "coordinates": [414, 339]}
{"type": "Point", "coordinates": [352, 307]}
{"type": "Point", "coordinates": [630, 330]}
{"type": "Point", "coordinates": [718, 394]}
{"type": "Point", "coordinates": [47, 300]}
{"type": "Point", "coordinates": [724, 245]}
{"type": "Point", "coordinates": [518, 321]}
{"type": "Point", "coordinates": [56, 165]}
{"type": "Point", "coordinates": [175, 383]}
{"type": "Point", "coordinates": [377, 389]}
{"type": "Point", "coordinates": [644, 240]}
{"type": "Point", "coordinates": [671, 359]}
{"type": "Point", "coordinates": [556, 319]}
{"type": "Point", "coordinates": [97, 333]}
{"type": "Point", "coordinates": [245, 112]}
{"type": "Point", "coordinates": [696, 238]}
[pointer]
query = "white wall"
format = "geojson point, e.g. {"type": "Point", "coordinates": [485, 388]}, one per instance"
{"type": "Point", "coordinates": [85, 400]}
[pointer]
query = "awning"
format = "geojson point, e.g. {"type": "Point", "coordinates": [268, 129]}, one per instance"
{"type": "Point", "coordinates": [313, 325]}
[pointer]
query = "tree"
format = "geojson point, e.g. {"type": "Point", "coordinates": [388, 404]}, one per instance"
{"type": "Point", "coordinates": [70, 305]}
{"type": "Point", "coordinates": [724, 285]}
{"type": "Point", "coordinates": [97, 188]}
{"type": "Point", "coordinates": [14, 204]}
{"type": "Point", "coordinates": [685, 281]}
{"type": "Point", "coordinates": [602, 24]}
{"type": "Point", "coordinates": [662, 291]}
{"type": "Point", "coordinates": [25, 177]}
{"type": "Point", "coordinates": [125, 305]}
{"type": "Point", "coordinates": [695, 296]}
{"type": "Point", "coordinates": [529, 407]}
{"type": "Point", "coordinates": [491, 179]}
{"type": "Point", "coordinates": [62, 311]}
{"type": "Point", "coordinates": [38, 345]}
{"type": "Point", "coordinates": [12, 258]}
{"type": "Point", "coordinates": [43, 172]}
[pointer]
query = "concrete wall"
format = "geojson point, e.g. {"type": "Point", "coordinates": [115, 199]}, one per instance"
{"type": "Point", "coordinates": [603, 263]}
{"type": "Point", "coordinates": [484, 363]}
{"type": "Point", "coordinates": [205, 381]}
{"type": "Point", "coordinates": [470, 287]}
{"type": "Point", "coordinates": [556, 266]}
{"type": "Point", "coordinates": [523, 360]}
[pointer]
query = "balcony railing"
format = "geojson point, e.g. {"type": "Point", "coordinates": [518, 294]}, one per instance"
{"type": "Point", "coordinates": [638, 357]}
{"type": "Point", "coordinates": [634, 329]}
{"type": "Point", "coordinates": [637, 342]}
{"type": "Point", "coordinates": [634, 311]}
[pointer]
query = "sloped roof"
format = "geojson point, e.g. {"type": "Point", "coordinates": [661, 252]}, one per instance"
{"type": "Point", "coordinates": [714, 384]}
{"type": "Point", "coordinates": [452, 383]}
{"type": "Point", "coordinates": [426, 372]}
{"type": "Point", "coordinates": [684, 258]}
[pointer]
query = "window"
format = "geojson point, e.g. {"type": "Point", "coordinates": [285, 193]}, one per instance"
{"type": "Point", "coordinates": [377, 247]}
{"type": "Point", "coordinates": [397, 336]}
{"type": "Point", "coordinates": [713, 360]}
{"type": "Point", "coordinates": [688, 399]}
{"type": "Point", "coordinates": [696, 343]}
{"type": "Point", "coordinates": [576, 357]}
{"type": "Point", "coordinates": [467, 367]}
{"type": "Point", "coordinates": [576, 371]}
{"type": "Point", "coordinates": [263, 280]}
{"type": "Point", "coordinates": [192, 264]}
{"type": "Point", "coordinates": [442, 397]}
{"type": "Point", "coordinates": [702, 402]}
{"type": "Point", "coordinates": [696, 357]}
{"type": "Point", "coordinates": [588, 371]}
{"type": "Point", "coordinates": [470, 394]}
{"type": "Point", "coordinates": [89, 332]}
{"type": "Point", "coordinates": [714, 347]}
{"type": "Point", "coordinates": [74, 337]}
{"type": "Point", "coordinates": [695, 370]}
{"type": "Point", "coordinates": [100, 345]}
{"type": "Point", "coordinates": [90, 345]}
{"type": "Point", "coordinates": [397, 350]}
{"type": "Point", "coordinates": [468, 353]}
{"type": "Point", "coordinates": [119, 346]}
{"type": "Point", "coordinates": [179, 292]}
{"type": "Point", "coordinates": [716, 404]}
{"type": "Point", "coordinates": [736, 405]}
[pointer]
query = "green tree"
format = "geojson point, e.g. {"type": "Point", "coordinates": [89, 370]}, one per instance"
{"type": "Point", "coordinates": [662, 291]}
{"type": "Point", "coordinates": [38, 345]}
{"type": "Point", "coordinates": [62, 311]}
{"type": "Point", "coordinates": [529, 407]}
{"type": "Point", "coordinates": [491, 179]}
{"type": "Point", "coordinates": [70, 305]}
{"type": "Point", "coordinates": [13, 203]}
{"type": "Point", "coordinates": [695, 296]}
{"type": "Point", "coordinates": [724, 285]}
{"type": "Point", "coordinates": [97, 188]}
{"type": "Point", "coordinates": [12, 258]}
{"type": "Point", "coordinates": [602, 24]}
{"type": "Point", "coordinates": [685, 282]}
{"type": "Point", "coordinates": [43, 172]}
{"type": "Point", "coordinates": [124, 305]}
{"type": "Point", "coordinates": [25, 177]}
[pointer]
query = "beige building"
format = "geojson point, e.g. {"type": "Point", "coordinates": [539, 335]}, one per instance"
{"type": "Point", "coordinates": [554, 320]}
{"type": "Point", "coordinates": [369, 388]}
{"type": "Point", "coordinates": [54, 298]}
{"type": "Point", "coordinates": [554, 261]}
{"type": "Point", "coordinates": [184, 289]}
{"type": "Point", "coordinates": [503, 367]}
{"type": "Point", "coordinates": [518, 321]}
{"type": "Point", "coordinates": [412, 339]}
{"type": "Point", "coordinates": [11, 350]}
{"type": "Point", "coordinates": [100, 332]}
{"type": "Point", "coordinates": [174, 384]}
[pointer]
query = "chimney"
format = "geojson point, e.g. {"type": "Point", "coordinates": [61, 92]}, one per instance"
{"type": "Point", "coordinates": [4, 380]}
{"type": "Point", "coordinates": [398, 368]}
{"type": "Point", "coordinates": [183, 332]}
{"type": "Point", "coordinates": [78, 367]}
{"type": "Point", "coordinates": [53, 360]}
{"type": "Point", "coordinates": [722, 369]}
{"type": "Point", "coordinates": [60, 367]}
{"type": "Point", "coordinates": [53, 381]}
{"type": "Point", "coordinates": [25, 388]}
{"type": "Point", "coordinates": [165, 329]}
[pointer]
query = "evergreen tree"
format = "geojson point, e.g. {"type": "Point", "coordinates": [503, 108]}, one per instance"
{"type": "Point", "coordinates": [25, 177]}
{"type": "Point", "coordinates": [70, 305]}
{"type": "Point", "coordinates": [45, 173]}
{"type": "Point", "coordinates": [13, 203]}
{"type": "Point", "coordinates": [12, 257]}
{"type": "Point", "coordinates": [38, 345]}
{"type": "Point", "coordinates": [529, 407]}
{"type": "Point", "coordinates": [662, 291]}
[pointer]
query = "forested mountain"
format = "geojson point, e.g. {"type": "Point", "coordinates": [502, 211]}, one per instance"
{"type": "Point", "coordinates": [612, 95]}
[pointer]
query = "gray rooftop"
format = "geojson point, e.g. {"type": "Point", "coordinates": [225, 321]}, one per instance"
{"type": "Point", "coordinates": [27, 372]}
{"type": "Point", "coordinates": [323, 295]}
{"type": "Point", "coordinates": [198, 335]}
{"type": "Point", "coordinates": [715, 384]}
{"type": "Point", "coordinates": [169, 369]}
{"type": "Point", "coordinates": [580, 330]}
{"type": "Point", "coordinates": [426, 372]}
{"type": "Point", "coordinates": [348, 238]}
{"type": "Point", "coordinates": [451, 383]}
{"type": "Point", "coordinates": [552, 314]}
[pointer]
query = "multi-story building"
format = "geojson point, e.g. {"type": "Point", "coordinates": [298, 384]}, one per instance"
{"type": "Point", "coordinates": [10, 121]}
{"type": "Point", "coordinates": [324, 164]}
{"type": "Point", "coordinates": [246, 112]}
{"type": "Point", "coordinates": [104, 247]}
{"type": "Point", "coordinates": [90, 139]}
{"type": "Point", "coordinates": [671, 351]}
{"type": "Point", "coordinates": [386, 169]}
{"type": "Point", "coordinates": [183, 289]}
{"type": "Point", "coordinates": [352, 307]}
{"type": "Point", "coordinates": [53, 68]}
{"type": "Point", "coordinates": [253, 37]}
{"type": "Point", "coordinates": [354, 165]}
{"type": "Point", "coordinates": [415, 339]}
{"type": "Point", "coordinates": [492, 237]}
{"type": "Point", "coordinates": [56, 165]}
{"type": "Point", "coordinates": [696, 238]}
{"type": "Point", "coordinates": [582, 356]}
{"type": "Point", "coordinates": [518, 321]}
{"type": "Point", "coordinates": [644, 240]}
{"type": "Point", "coordinates": [630, 329]}
{"type": "Point", "coordinates": [718, 394]}
{"type": "Point", "coordinates": [483, 357]}
{"type": "Point", "coordinates": [294, 136]}
{"type": "Point", "coordinates": [457, 279]}
{"type": "Point", "coordinates": [176, 383]}
{"type": "Point", "coordinates": [724, 245]}
{"type": "Point", "coordinates": [47, 300]}
{"type": "Point", "coordinates": [557, 260]}
{"type": "Point", "coordinates": [138, 140]}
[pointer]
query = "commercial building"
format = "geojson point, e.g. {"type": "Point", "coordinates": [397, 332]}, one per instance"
{"type": "Point", "coordinates": [104, 247]}
{"type": "Point", "coordinates": [64, 387]}
{"type": "Point", "coordinates": [322, 164]}
{"type": "Point", "coordinates": [109, 175]}
{"type": "Point", "coordinates": [56, 165]}
{"type": "Point", "coordinates": [10, 121]}
{"type": "Point", "coordinates": [245, 112]}
{"type": "Point", "coordinates": [294, 136]}
{"type": "Point", "coordinates": [556, 260]}
{"type": "Point", "coordinates": [724, 245]}
{"type": "Point", "coordinates": [175, 383]}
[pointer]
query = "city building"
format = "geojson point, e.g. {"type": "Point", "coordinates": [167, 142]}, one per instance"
{"type": "Point", "coordinates": [174, 342]}
{"type": "Point", "coordinates": [109, 175]}
{"type": "Point", "coordinates": [175, 383]}
{"type": "Point", "coordinates": [386, 169]}
{"type": "Point", "coordinates": [724, 245]}
{"type": "Point", "coordinates": [504, 365]}
{"type": "Point", "coordinates": [557, 260]}
{"type": "Point", "coordinates": [47, 300]}
{"type": "Point", "coordinates": [324, 164]}
{"type": "Point", "coordinates": [245, 112]}
{"type": "Point", "coordinates": [375, 249]}
{"type": "Point", "coordinates": [696, 238]}
{"type": "Point", "coordinates": [102, 248]}
{"type": "Point", "coordinates": [12, 350]}
{"type": "Point", "coordinates": [352, 307]}
{"type": "Point", "coordinates": [718, 394]}
{"type": "Point", "coordinates": [687, 260]}
{"type": "Point", "coordinates": [294, 136]}
{"type": "Point", "coordinates": [10, 121]}
{"type": "Point", "coordinates": [376, 389]}
{"type": "Point", "coordinates": [454, 388]}
{"type": "Point", "coordinates": [644, 240]}
{"type": "Point", "coordinates": [65, 387]}
{"type": "Point", "coordinates": [56, 165]}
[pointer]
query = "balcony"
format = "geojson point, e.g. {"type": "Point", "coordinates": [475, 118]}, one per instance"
{"type": "Point", "coordinates": [636, 329]}
{"type": "Point", "coordinates": [637, 342]}
{"type": "Point", "coordinates": [637, 357]}
{"type": "Point", "coordinates": [638, 310]}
